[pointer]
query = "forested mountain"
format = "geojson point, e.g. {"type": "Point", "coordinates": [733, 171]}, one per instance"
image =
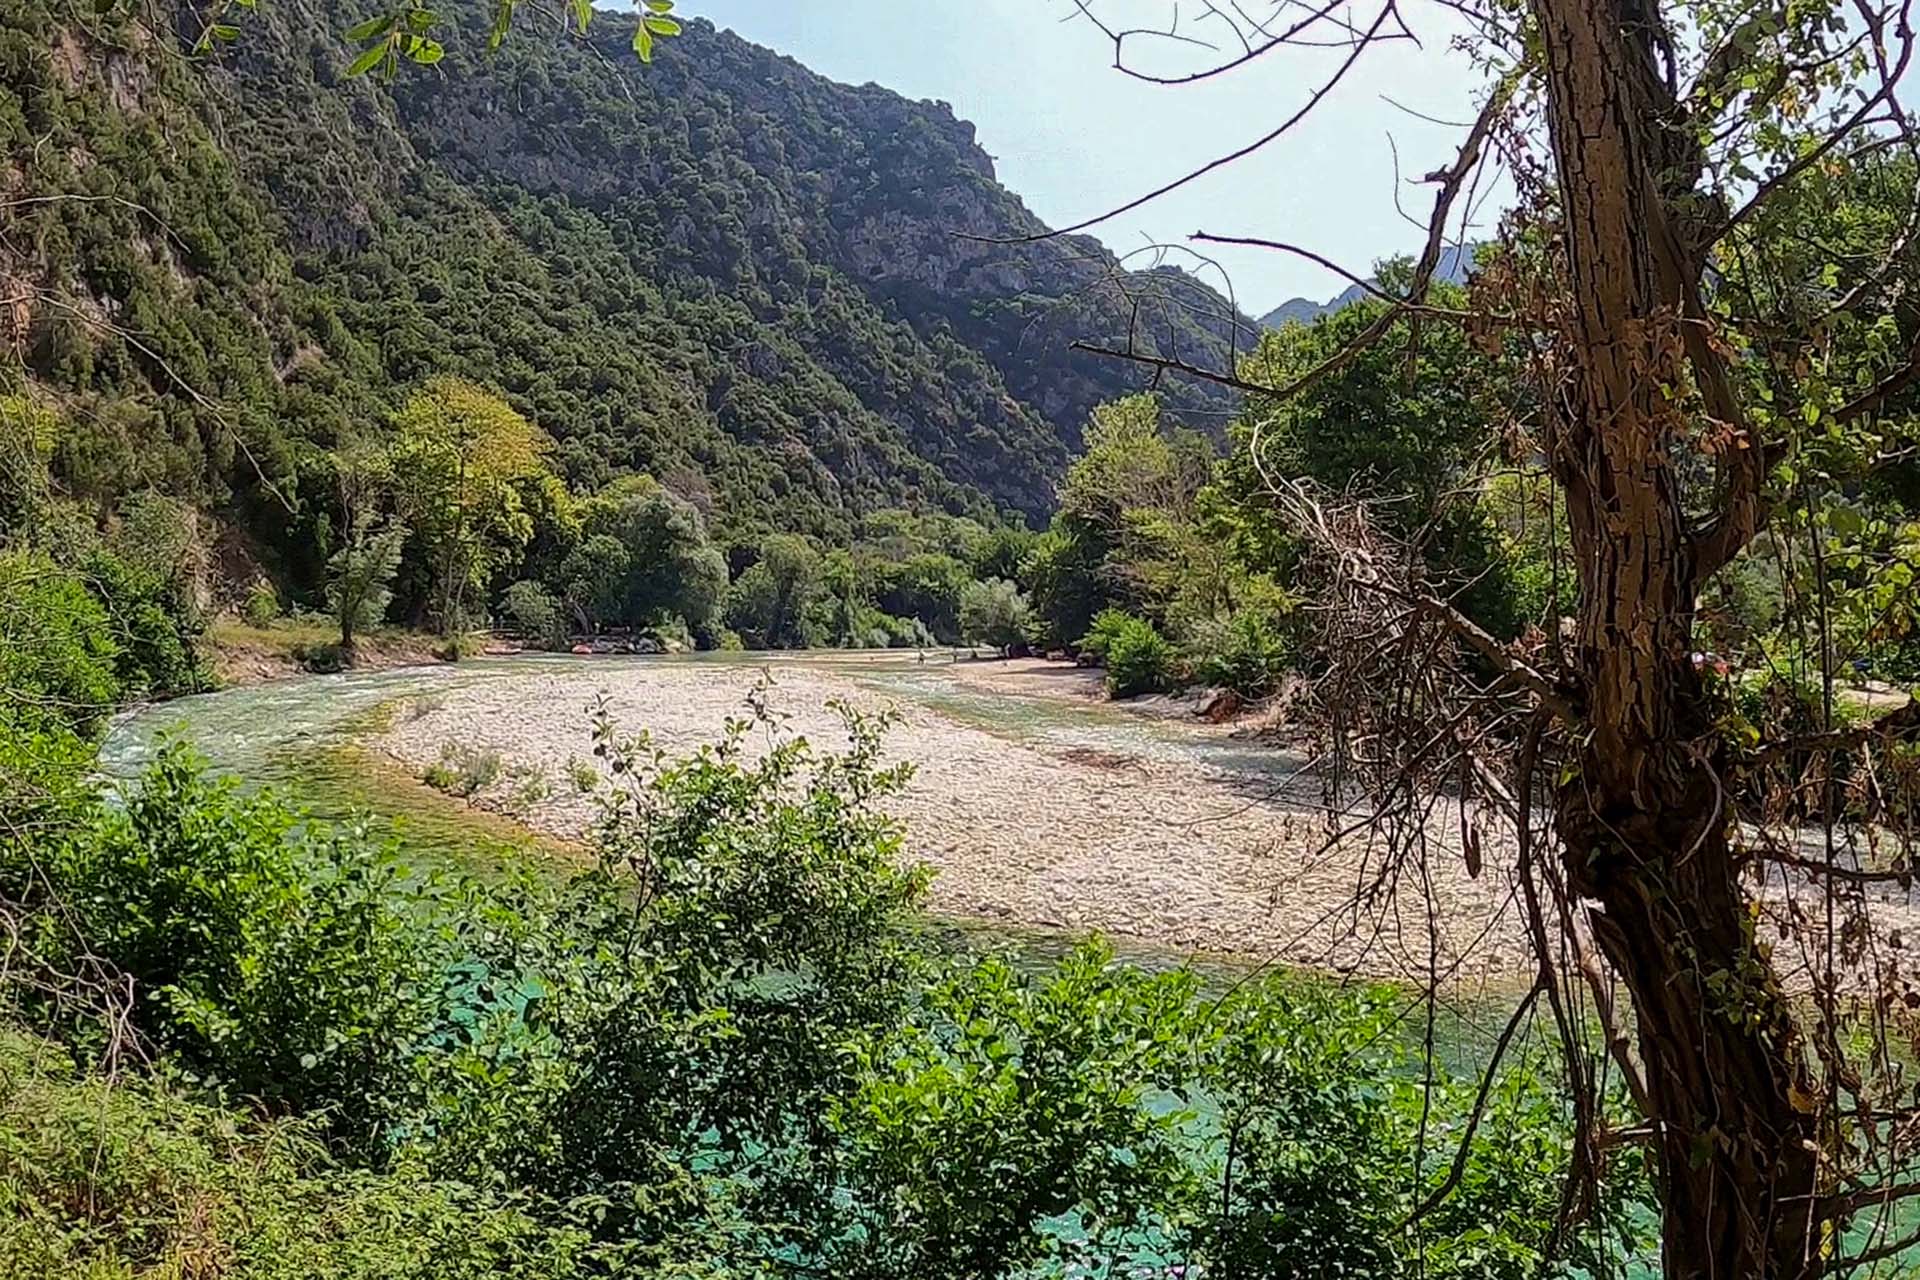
{"type": "Point", "coordinates": [722, 270]}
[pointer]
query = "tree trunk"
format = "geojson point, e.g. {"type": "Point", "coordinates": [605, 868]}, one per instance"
{"type": "Point", "coordinates": [1644, 821]}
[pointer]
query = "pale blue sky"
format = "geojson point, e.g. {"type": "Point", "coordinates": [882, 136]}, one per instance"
{"type": "Point", "coordinates": [1074, 137]}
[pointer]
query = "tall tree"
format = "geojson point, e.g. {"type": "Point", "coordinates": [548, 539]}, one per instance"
{"type": "Point", "coordinates": [1684, 411]}
{"type": "Point", "coordinates": [458, 459]}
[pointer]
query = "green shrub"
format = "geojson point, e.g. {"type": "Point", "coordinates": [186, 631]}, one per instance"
{"type": "Point", "coordinates": [994, 613]}
{"type": "Point", "coordinates": [276, 958]}
{"type": "Point", "coordinates": [152, 626]}
{"type": "Point", "coordinates": [1009, 1101]}
{"type": "Point", "coordinates": [528, 787]}
{"type": "Point", "coordinates": [582, 775]}
{"type": "Point", "coordinates": [1107, 624]}
{"type": "Point", "coordinates": [1100, 1095]}
{"type": "Point", "coordinates": [262, 605]}
{"type": "Point", "coordinates": [464, 770]}
{"type": "Point", "coordinates": [58, 661]}
{"type": "Point", "coordinates": [130, 1178]}
{"type": "Point", "coordinates": [1250, 654]}
{"type": "Point", "coordinates": [537, 614]}
{"type": "Point", "coordinates": [458, 648]}
{"type": "Point", "coordinates": [1137, 657]}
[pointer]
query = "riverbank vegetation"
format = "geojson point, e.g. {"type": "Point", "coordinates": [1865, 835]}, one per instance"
{"type": "Point", "coordinates": [235, 1038]}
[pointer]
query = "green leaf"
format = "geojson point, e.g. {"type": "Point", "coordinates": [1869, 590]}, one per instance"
{"type": "Point", "coordinates": [502, 19]}
{"type": "Point", "coordinates": [370, 28]}
{"type": "Point", "coordinates": [582, 13]}
{"type": "Point", "coordinates": [660, 6]}
{"type": "Point", "coordinates": [222, 31]}
{"type": "Point", "coordinates": [661, 26]}
{"type": "Point", "coordinates": [428, 52]}
{"type": "Point", "coordinates": [420, 21]}
{"type": "Point", "coordinates": [368, 59]}
{"type": "Point", "coordinates": [643, 43]}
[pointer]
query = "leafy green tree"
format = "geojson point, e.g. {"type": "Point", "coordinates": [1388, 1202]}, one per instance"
{"type": "Point", "coordinates": [1414, 422]}
{"type": "Point", "coordinates": [1063, 580]}
{"type": "Point", "coordinates": [360, 579]}
{"type": "Point", "coordinates": [846, 615]}
{"type": "Point", "coordinates": [28, 434]}
{"type": "Point", "coordinates": [537, 614]}
{"type": "Point", "coordinates": [995, 613]}
{"type": "Point", "coordinates": [670, 568]}
{"type": "Point", "coordinates": [459, 457]}
{"type": "Point", "coordinates": [771, 603]}
{"type": "Point", "coordinates": [59, 663]}
{"type": "Point", "coordinates": [595, 580]}
{"type": "Point", "coordinates": [927, 586]}
{"type": "Point", "coordinates": [1002, 553]}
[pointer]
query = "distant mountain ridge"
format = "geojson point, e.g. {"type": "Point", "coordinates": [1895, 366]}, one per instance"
{"type": "Point", "coordinates": [1456, 263]}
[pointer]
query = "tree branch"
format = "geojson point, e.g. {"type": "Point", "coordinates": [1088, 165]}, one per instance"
{"type": "Point", "coordinates": [1360, 46]}
{"type": "Point", "coordinates": [1459, 1167]}
{"type": "Point", "coordinates": [1901, 722]}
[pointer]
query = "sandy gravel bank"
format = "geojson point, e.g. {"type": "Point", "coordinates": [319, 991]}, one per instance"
{"type": "Point", "coordinates": [1152, 843]}
{"type": "Point", "coordinates": [1174, 834]}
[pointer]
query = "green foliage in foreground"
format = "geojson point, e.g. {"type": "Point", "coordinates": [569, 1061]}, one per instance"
{"type": "Point", "coordinates": [113, 1180]}
{"type": "Point", "coordinates": [722, 1051]}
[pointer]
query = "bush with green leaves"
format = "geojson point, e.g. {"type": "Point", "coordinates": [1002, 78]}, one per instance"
{"type": "Point", "coordinates": [261, 606]}
{"type": "Point", "coordinates": [1137, 657]}
{"type": "Point", "coordinates": [1250, 653]}
{"type": "Point", "coordinates": [995, 613]}
{"type": "Point", "coordinates": [153, 626]}
{"type": "Point", "coordinates": [1010, 1101]}
{"type": "Point", "coordinates": [286, 962]}
{"type": "Point", "coordinates": [126, 1177]}
{"type": "Point", "coordinates": [58, 659]}
{"type": "Point", "coordinates": [537, 614]}
{"type": "Point", "coordinates": [464, 770]}
{"type": "Point", "coordinates": [1100, 633]}
{"type": "Point", "coordinates": [1099, 1117]}
{"type": "Point", "coordinates": [360, 578]}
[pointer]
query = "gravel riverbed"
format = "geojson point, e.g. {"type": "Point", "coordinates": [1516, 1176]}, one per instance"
{"type": "Point", "coordinates": [1117, 830]}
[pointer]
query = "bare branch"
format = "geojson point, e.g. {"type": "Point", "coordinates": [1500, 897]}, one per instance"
{"type": "Point", "coordinates": [1459, 1167]}
{"type": "Point", "coordinates": [1273, 135]}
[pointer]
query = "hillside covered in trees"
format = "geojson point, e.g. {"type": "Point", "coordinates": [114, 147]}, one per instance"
{"type": "Point", "coordinates": [720, 271]}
